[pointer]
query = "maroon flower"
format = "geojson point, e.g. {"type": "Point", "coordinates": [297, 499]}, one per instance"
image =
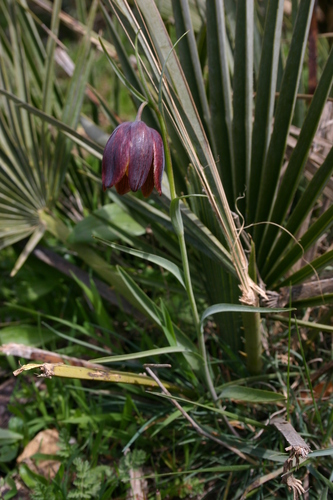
{"type": "Point", "coordinates": [133, 158]}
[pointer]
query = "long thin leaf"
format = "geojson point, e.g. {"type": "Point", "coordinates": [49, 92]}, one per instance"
{"type": "Point", "coordinates": [72, 105]}
{"type": "Point", "coordinates": [265, 100]}
{"type": "Point", "coordinates": [29, 247]}
{"type": "Point", "coordinates": [309, 197]}
{"type": "Point", "coordinates": [152, 311]}
{"type": "Point", "coordinates": [295, 253]}
{"type": "Point", "coordinates": [156, 259]}
{"type": "Point", "coordinates": [190, 59]}
{"type": "Point", "coordinates": [242, 99]}
{"type": "Point", "coordinates": [283, 117]}
{"type": "Point", "coordinates": [220, 99]}
{"type": "Point", "coordinates": [251, 395]}
{"type": "Point", "coordinates": [221, 308]}
{"type": "Point", "coordinates": [91, 146]}
{"type": "Point", "coordinates": [305, 272]}
{"type": "Point", "coordinates": [80, 372]}
{"type": "Point", "coordinates": [139, 355]}
{"type": "Point", "coordinates": [298, 158]}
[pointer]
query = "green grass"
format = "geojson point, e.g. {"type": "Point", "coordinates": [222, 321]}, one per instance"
{"type": "Point", "coordinates": [96, 421]}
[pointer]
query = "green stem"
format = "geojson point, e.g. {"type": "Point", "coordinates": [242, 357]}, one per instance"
{"type": "Point", "coordinates": [251, 323]}
{"type": "Point", "coordinates": [179, 229]}
{"type": "Point", "coordinates": [176, 218]}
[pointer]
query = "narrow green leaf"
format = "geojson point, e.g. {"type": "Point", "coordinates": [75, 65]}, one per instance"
{"type": "Point", "coordinates": [49, 96]}
{"type": "Point", "coordinates": [308, 239]}
{"type": "Point", "coordinates": [153, 312]}
{"type": "Point", "coordinates": [22, 88]}
{"type": "Point", "coordinates": [217, 468]}
{"type": "Point", "coordinates": [94, 132]}
{"type": "Point", "coordinates": [321, 453]}
{"type": "Point", "coordinates": [221, 308]}
{"type": "Point", "coordinates": [122, 77]}
{"type": "Point", "coordinates": [265, 100]}
{"type": "Point", "coordinates": [305, 272]}
{"type": "Point", "coordinates": [220, 98]}
{"type": "Point", "coordinates": [320, 477]}
{"type": "Point", "coordinates": [92, 294]}
{"type": "Point", "coordinates": [48, 80]}
{"type": "Point", "coordinates": [297, 162]}
{"type": "Point", "coordinates": [189, 59]}
{"type": "Point", "coordinates": [250, 395]}
{"type": "Point", "coordinates": [72, 105]}
{"type": "Point", "coordinates": [169, 331]}
{"type": "Point", "coordinates": [306, 324]}
{"type": "Point", "coordinates": [242, 99]}
{"type": "Point", "coordinates": [138, 355]}
{"type": "Point", "coordinates": [176, 217]}
{"type": "Point", "coordinates": [196, 233]}
{"type": "Point", "coordinates": [214, 409]}
{"type": "Point", "coordinates": [283, 116]}
{"type": "Point", "coordinates": [141, 430]}
{"type": "Point", "coordinates": [46, 332]}
{"type": "Point", "coordinates": [306, 202]}
{"type": "Point", "coordinates": [72, 340]}
{"type": "Point", "coordinates": [75, 136]}
{"type": "Point", "coordinates": [308, 378]}
{"type": "Point", "coordinates": [156, 259]}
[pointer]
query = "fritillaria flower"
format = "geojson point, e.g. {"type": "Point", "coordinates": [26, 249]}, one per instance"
{"type": "Point", "coordinates": [133, 158]}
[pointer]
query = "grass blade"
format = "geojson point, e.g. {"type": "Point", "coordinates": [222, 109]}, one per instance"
{"type": "Point", "coordinates": [141, 354]}
{"type": "Point", "coordinates": [307, 372]}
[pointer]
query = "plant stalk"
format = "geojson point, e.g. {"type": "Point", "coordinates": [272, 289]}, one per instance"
{"type": "Point", "coordinates": [251, 323]}
{"type": "Point", "coordinates": [176, 219]}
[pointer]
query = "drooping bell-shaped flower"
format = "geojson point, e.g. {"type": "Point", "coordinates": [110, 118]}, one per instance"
{"type": "Point", "coordinates": [133, 158]}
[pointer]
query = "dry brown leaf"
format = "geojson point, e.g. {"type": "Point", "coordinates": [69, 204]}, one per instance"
{"type": "Point", "coordinates": [44, 442]}
{"type": "Point", "coordinates": [321, 391]}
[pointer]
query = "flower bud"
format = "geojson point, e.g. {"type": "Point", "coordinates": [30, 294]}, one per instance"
{"type": "Point", "coordinates": [133, 158]}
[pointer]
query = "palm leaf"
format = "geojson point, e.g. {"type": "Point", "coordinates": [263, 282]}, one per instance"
{"type": "Point", "coordinates": [33, 167]}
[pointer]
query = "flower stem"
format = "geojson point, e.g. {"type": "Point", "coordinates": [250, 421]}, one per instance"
{"type": "Point", "coordinates": [179, 229]}
{"type": "Point", "coordinates": [139, 113]}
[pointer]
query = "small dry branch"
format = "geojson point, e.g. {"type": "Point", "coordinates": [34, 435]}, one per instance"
{"type": "Point", "coordinates": [297, 449]}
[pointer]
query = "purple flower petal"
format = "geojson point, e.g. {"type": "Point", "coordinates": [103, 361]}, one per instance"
{"type": "Point", "coordinates": [140, 154]}
{"type": "Point", "coordinates": [116, 156]}
{"type": "Point", "coordinates": [159, 160]}
{"type": "Point", "coordinates": [148, 186]}
{"type": "Point", "coordinates": [123, 186]}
